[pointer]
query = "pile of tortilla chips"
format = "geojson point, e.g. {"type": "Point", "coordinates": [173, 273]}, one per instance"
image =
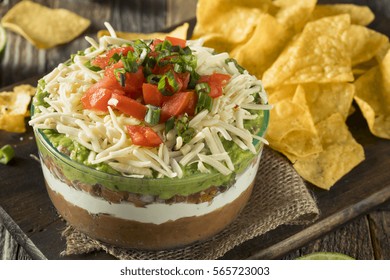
{"type": "Point", "coordinates": [314, 60]}
{"type": "Point", "coordinates": [42, 26]}
{"type": "Point", "coordinates": [14, 108]}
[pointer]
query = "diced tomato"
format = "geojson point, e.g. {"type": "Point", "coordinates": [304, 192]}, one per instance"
{"type": "Point", "coordinates": [104, 61]}
{"type": "Point", "coordinates": [143, 136]}
{"type": "Point", "coordinates": [129, 106]}
{"type": "Point", "coordinates": [216, 82]}
{"type": "Point", "coordinates": [176, 41]}
{"type": "Point", "coordinates": [162, 70]}
{"type": "Point", "coordinates": [175, 105]}
{"type": "Point", "coordinates": [107, 83]}
{"type": "Point", "coordinates": [183, 79]}
{"type": "Point", "coordinates": [152, 95]}
{"type": "Point", "coordinates": [190, 109]}
{"type": "Point", "coordinates": [133, 81]}
{"type": "Point", "coordinates": [219, 78]}
{"type": "Point", "coordinates": [96, 99]}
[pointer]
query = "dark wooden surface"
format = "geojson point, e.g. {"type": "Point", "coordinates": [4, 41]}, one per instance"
{"type": "Point", "coordinates": [355, 214]}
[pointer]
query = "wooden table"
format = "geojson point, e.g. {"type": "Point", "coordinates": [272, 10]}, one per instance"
{"type": "Point", "coordinates": [360, 228]}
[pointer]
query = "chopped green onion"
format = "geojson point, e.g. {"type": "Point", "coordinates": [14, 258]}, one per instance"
{"type": "Point", "coordinates": [239, 67]}
{"type": "Point", "coordinates": [186, 50]}
{"type": "Point", "coordinates": [130, 63]}
{"type": "Point", "coordinates": [178, 68]}
{"type": "Point", "coordinates": [175, 49]}
{"type": "Point", "coordinates": [183, 129]}
{"type": "Point", "coordinates": [140, 45]}
{"type": "Point", "coordinates": [194, 77]}
{"type": "Point", "coordinates": [166, 45]}
{"type": "Point", "coordinates": [202, 87]}
{"type": "Point", "coordinates": [188, 135]}
{"type": "Point", "coordinates": [171, 87]}
{"type": "Point", "coordinates": [115, 57]}
{"type": "Point", "coordinates": [149, 63]}
{"type": "Point", "coordinates": [92, 67]}
{"type": "Point", "coordinates": [188, 68]}
{"type": "Point", "coordinates": [120, 75]}
{"type": "Point", "coordinates": [204, 102]}
{"type": "Point", "coordinates": [152, 116]}
{"type": "Point", "coordinates": [153, 79]}
{"type": "Point", "coordinates": [162, 58]}
{"type": "Point", "coordinates": [169, 124]}
{"type": "Point", "coordinates": [6, 154]}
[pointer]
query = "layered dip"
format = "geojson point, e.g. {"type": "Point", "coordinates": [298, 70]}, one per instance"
{"type": "Point", "coordinates": [149, 144]}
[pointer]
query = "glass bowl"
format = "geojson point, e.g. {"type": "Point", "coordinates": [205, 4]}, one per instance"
{"type": "Point", "coordinates": [143, 213]}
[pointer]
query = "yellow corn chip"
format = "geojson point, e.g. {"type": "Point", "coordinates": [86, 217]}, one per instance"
{"type": "Point", "coordinates": [294, 14]}
{"type": "Point", "coordinates": [324, 100]}
{"type": "Point", "coordinates": [259, 52]}
{"type": "Point", "coordinates": [361, 15]}
{"type": "Point", "coordinates": [373, 97]}
{"type": "Point", "coordinates": [287, 116]}
{"type": "Point", "coordinates": [42, 26]}
{"type": "Point", "coordinates": [178, 32]}
{"type": "Point", "coordinates": [233, 20]}
{"type": "Point", "coordinates": [290, 120]}
{"type": "Point", "coordinates": [278, 94]}
{"type": "Point", "coordinates": [364, 43]}
{"type": "Point", "coordinates": [317, 55]}
{"type": "Point", "coordinates": [341, 153]}
{"type": "Point", "coordinates": [14, 108]}
{"type": "Point", "coordinates": [298, 143]}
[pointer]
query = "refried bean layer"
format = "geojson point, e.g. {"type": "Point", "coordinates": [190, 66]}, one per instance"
{"type": "Point", "coordinates": [137, 235]}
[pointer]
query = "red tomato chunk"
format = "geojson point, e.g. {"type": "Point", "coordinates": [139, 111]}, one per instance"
{"type": "Point", "coordinates": [143, 136]}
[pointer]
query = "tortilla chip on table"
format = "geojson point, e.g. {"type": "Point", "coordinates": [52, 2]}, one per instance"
{"type": "Point", "coordinates": [42, 26]}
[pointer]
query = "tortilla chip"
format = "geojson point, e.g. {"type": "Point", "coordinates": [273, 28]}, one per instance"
{"type": "Point", "coordinates": [373, 97]}
{"type": "Point", "coordinates": [324, 100]}
{"type": "Point", "coordinates": [234, 20]}
{"type": "Point", "coordinates": [364, 43]}
{"type": "Point", "coordinates": [341, 153]}
{"type": "Point", "coordinates": [178, 32]}
{"type": "Point", "coordinates": [259, 52]}
{"type": "Point", "coordinates": [294, 14]}
{"type": "Point", "coordinates": [298, 143]}
{"type": "Point", "coordinates": [361, 15]}
{"type": "Point", "coordinates": [42, 26]}
{"type": "Point", "coordinates": [317, 55]}
{"type": "Point", "coordinates": [278, 94]}
{"type": "Point", "coordinates": [291, 129]}
{"type": "Point", "coordinates": [14, 108]}
{"type": "Point", "coordinates": [218, 43]}
{"type": "Point", "coordinates": [287, 116]}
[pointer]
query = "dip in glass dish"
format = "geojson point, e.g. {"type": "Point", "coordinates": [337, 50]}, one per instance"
{"type": "Point", "coordinates": [149, 144]}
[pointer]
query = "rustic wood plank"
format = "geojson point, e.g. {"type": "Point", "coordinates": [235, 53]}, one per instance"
{"type": "Point", "coordinates": [352, 239]}
{"type": "Point", "coordinates": [380, 233]}
{"type": "Point", "coordinates": [18, 238]}
{"type": "Point", "coordinates": [177, 14]}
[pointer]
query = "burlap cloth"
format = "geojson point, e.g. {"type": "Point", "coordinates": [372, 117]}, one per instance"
{"type": "Point", "coordinates": [279, 197]}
